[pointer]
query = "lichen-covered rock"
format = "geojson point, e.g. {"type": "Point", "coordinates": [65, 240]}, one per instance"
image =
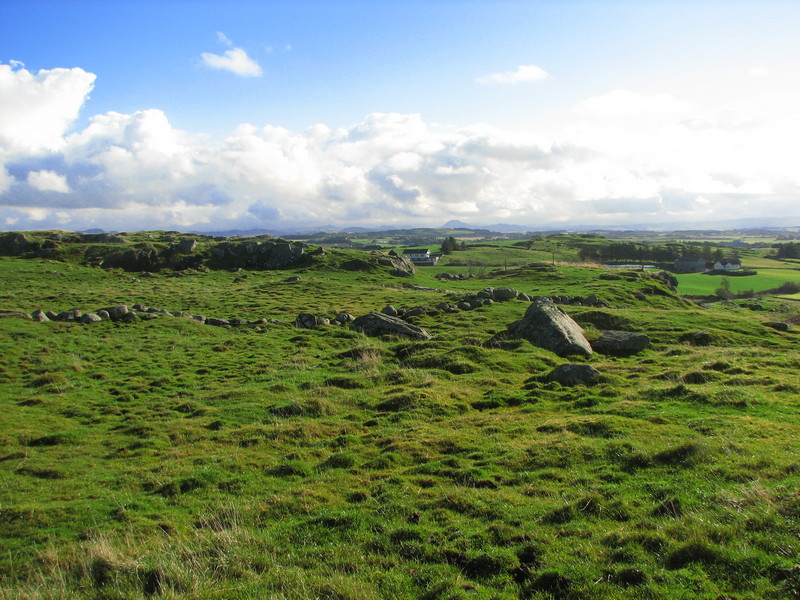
{"type": "Point", "coordinates": [90, 318]}
{"type": "Point", "coordinates": [548, 326]}
{"type": "Point", "coordinates": [778, 325]}
{"type": "Point", "coordinates": [376, 324]}
{"type": "Point", "coordinates": [39, 315]}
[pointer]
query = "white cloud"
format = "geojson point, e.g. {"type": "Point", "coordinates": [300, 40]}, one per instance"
{"type": "Point", "coordinates": [48, 181]}
{"type": "Point", "coordinates": [522, 74]}
{"type": "Point", "coordinates": [234, 60]}
{"type": "Point", "coordinates": [36, 110]}
{"type": "Point", "coordinates": [223, 39]}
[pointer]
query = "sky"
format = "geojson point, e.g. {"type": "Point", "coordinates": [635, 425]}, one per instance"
{"type": "Point", "coordinates": [212, 115]}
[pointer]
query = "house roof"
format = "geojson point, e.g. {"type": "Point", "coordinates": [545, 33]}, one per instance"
{"type": "Point", "coordinates": [730, 261]}
{"type": "Point", "coordinates": [416, 251]}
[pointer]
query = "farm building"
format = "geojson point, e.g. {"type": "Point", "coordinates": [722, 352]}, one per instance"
{"type": "Point", "coordinates": [690, 264]}
{"type": "Point", "coordinates": [421, 256]}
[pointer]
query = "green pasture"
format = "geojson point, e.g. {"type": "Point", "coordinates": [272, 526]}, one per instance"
{"type": "Point", "coordinates": [170, 459]}
{"type": "Point", "coordinates": [699, 284]}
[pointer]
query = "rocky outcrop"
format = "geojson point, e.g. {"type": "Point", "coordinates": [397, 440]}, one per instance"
{"type": "Point", "coordinates": [548, 326]}
{"type": "Point", "coordinates": [377, 324]}
{"type": "Point", "coordinates": [620, 342]}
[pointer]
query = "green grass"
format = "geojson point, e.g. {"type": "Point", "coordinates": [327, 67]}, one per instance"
{"type": "Point", "coordinates": [169, 459]}
{"type": "Point", "coordinates": [700, 284]}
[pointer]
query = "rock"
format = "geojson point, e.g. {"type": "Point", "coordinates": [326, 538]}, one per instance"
{"type": "Point", "coordinates": [620, 342]}
{"type": "Point", "coordinates": [39, 315]}
{"type": "Point", "coordinates": [186, 246]}
{"type": "Point", "coordinates": [103, 314]}
{"type": "Point", "coordinates": [69, 315]}
{"type": "Point", "coordinates": [447, 307]}
{"type": "Point", "coordinates": [344, 317]}
{"type": "Point", "coordinates": [130, 317]}
{"type": "Point", "coordinates": [778, 326]}
{"type": "Point", "coordinates": [376, 324]}
{"type": "Point", "coordinates": [51, 315]}
{"type": "Point", "coordinates": [524, 297]}
{"type": "Point", "coordinates": [464, 305]}
{"type": "Point", "coordinates": [293, 279]}
{"type": "Point", "coordinates": [548, 326]}
{"type": "Point", "coordinates": [200, 318]}
{"type": "Point", "coordinates": [390, 310]}
{"type": "Point", "coordinates": [282, 255]}
{"type": "Point", "coordinates": [416, 311]}
{"type": "Point", "coordinates": [117, 312]}
{"type": "Point", "coordinates": [700, 338]}
{"type": "Point", "coordinates": [309, 321]}
{"type": "Point", "coordinates": [574, 374]}
{"type": "Point", "coordinates": [610, 277]}
{"type": "Point", "coordinates": [13, 244]}
{"type": "Point", "coordinates": [90, 318]}
{"type": "Point", "coordinates": [217, 322]}
{"type": "Point", "coordinates": [668, 279]}
{"type": "Point", "coordinates": [505, 293]}
{"type": "Point", "coordinates": [140, 308]}
{"type": "Point", "coordinates": [400, 273]}
{"type": "Point", "coordinates": [147, 275]}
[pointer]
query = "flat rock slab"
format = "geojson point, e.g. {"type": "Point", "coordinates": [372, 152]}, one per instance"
{"type": "Point", "coordinates": [376, 324]}
{"type": "Point", "coordinates": [574, 374]}
{"type": "Point", "coordinates": [620, 342]}
{"type": "Point", "coordinates": [548, 326]}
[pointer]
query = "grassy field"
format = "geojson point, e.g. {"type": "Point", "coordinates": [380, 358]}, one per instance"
{"type": "Point", "coordinates": [700, 284]}
{"type": "Point", "coordinates": [170, 459]}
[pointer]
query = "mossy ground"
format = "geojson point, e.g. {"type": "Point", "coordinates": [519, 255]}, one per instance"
{"type": "Point", "coordinates": [172, 459]}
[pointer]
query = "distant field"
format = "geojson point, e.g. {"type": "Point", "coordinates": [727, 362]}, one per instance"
{"type": "Point", "coordinates": [698, 284]}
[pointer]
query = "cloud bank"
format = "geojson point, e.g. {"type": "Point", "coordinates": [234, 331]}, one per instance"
{"type": "Point", "coordinates": [623, 157]}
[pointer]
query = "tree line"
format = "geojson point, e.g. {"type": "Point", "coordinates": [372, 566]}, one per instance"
{"type": "Point", "coordinates": [641, 253]}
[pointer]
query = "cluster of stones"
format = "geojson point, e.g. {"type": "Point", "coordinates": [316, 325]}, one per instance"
{"type": "Point", "coordinates": [452, 276]}
{"type": "Point", "coordinates": [137, 312]}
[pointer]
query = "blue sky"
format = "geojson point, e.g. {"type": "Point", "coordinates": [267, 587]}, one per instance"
{"type": "Point", "coordinates": [209, 115]}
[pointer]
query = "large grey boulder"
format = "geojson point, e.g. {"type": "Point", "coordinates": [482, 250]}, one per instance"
{"type": "Point", "coordinates": [620, 342]}
{"type": "Point", "coordinates": [90, 318]}
{"type": "Point", "coordinates": [376, 324]}
{"type": "Point", "coordinates": [574, 374]}
{"type": "Point", "coordinates": [39, 315]}
{"type": "Point", "coordinates": [548, 326]}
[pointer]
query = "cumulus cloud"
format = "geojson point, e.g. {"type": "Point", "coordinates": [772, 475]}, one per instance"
{"type": "Point", "coordinates": [622, 157]}
{"type": "Point", "coordinates": [522, 74]}
{"type": "Point", "coordinates": [48, 181]}
{"type": "Point", "coordinates": [36, 109]}
{"type": "Point", "coordinates": [234, 60]}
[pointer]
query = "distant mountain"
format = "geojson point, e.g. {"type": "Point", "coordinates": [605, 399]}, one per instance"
{"type": "Point", "coordinates": [455, 224]}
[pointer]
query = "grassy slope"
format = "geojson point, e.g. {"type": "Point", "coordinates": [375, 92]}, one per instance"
{"type": "Point", "coordinates": [167, 458]}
